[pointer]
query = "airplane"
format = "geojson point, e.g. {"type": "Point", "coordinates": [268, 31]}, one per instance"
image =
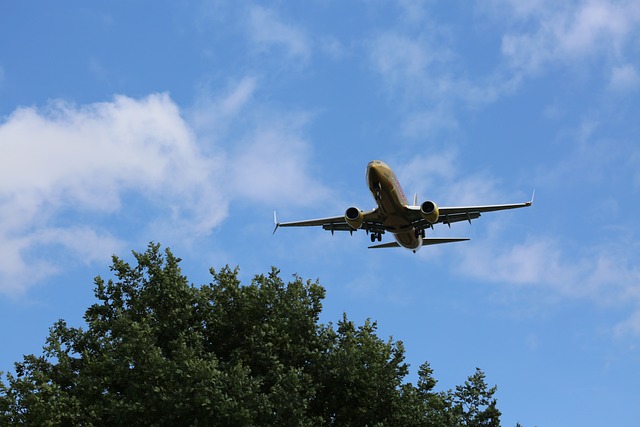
{"type": "Point", "coordinates": [407, 223]}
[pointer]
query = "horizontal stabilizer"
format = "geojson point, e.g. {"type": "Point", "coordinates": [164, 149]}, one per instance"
{"type": "Point", "coordinates": [386, 245]}
{"type": "Point", "coordinates": [425, 242]}
{"type": "Point", "coordinates": [437, 241]}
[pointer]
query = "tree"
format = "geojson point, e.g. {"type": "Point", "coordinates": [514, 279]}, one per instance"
{"type": "Point", "coordinates": [158, 351]}
{"type": "Point", "coordinates": [473, 403]}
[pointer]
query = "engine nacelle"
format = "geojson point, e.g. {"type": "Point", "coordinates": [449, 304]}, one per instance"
{"type": "Point", "coordinates": [354, 217]}
{"type": "Point", "coordinates": [429, 211]}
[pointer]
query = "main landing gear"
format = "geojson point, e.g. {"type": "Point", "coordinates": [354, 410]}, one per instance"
{"type": "Point", "coordinates": [420, 233]}
{"type": "Point", "coordinates": [376, 236]}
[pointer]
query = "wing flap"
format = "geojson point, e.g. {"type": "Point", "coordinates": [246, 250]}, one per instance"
{"type": "Point", "coordinates": [314, 222]}
{"type": "Point", "coordinates": [459, 213]}
{"type": "Point", "coordinates": [338, 223]}
{"type": "Point", "coordinates": [483, 208]}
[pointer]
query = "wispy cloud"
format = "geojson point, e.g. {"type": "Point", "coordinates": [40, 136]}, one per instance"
{"type": "Point", "coordinates": [424, 72]}
{"type": "Point", "coordinates": [214, 112]}
{"type": "Point", "coordinates": [548, 33]}
{"type": "Point", "coordinates": [624, 78]}
{"type": "Point", "coordinates": [267, 154]}
{"type": "Point", "coordinates": [429, 122]}
{"type": "Point", "coordinates": [267, 167]}
{"type": "Point", "coordinates": [603, 273]}
{"type": "Point", "coordinates": [267, 31]}
{"type": "Point", "coordinates": [401, 59]}
{"type": "Point", "coordinates": [439, 176]}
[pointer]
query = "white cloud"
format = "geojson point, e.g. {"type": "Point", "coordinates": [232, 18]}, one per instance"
{"type": "Point", "coordinates": [428, 78]}
{"type": "Point", "coordinates": [267, 31]}
{"type": "Point", "coordinates": [266, 152]}
{"type": "Point", "coordinates": [630, 326]}
{"type": "Point", "coordinates": [66, 161]}
{"type": "Point", "coordinates": [425, 76]}
{"type": "Point", "coordinates": [604, 275]}
{"type": "Point", "coordinates": [533, 262]}
{"type": "Point", "coordinates": [20, 268]}
{"type": "Point", "coordinates": [552, 32]}
{"type": "Point", "coordinates": [88, 155]}
{"type": "Point", "coordinates": [268, 166]}
{"type": "Point", "coordinates": [413, 70]}
{"type": "Point", "coordinates": [428, 123]}
{"type": "Point", "coordinates": [437, 177]}
{"type": "Point", "coordinates": [213, 113]}
{"type": "Point", "coordinates": [401, 59]}
{"type": "Point", "coordinates": [67, 170]}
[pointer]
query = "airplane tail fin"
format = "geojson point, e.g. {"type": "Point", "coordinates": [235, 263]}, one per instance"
{"type": "Point", "coordinates": [275, 221]}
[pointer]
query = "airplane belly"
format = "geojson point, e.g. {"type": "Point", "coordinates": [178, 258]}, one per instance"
{"type": "Point", "coordinates": [397, 224]}
{"type": "Point", "coordinates": [390, 204]}
{"type": "Point", "coordinates": [409, 240]}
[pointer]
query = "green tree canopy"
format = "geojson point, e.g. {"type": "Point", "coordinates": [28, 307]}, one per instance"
{"type": "Point", "coordinates": [158, 351]}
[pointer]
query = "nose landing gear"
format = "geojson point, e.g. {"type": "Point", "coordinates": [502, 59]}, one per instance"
{"type": "Point", "coordinates": [377, 188]}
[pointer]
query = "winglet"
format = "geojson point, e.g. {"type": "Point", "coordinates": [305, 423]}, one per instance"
{"type": "Point", "coordinates": [275, 221]}
{"type": "Point", "coordinates": [532, 197]}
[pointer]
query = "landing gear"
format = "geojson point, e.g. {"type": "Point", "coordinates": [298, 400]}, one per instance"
{"type": "Point", "coordinates": [376, 236]}
{"type": "Point", "coordinates": [377, 191]}
{"type": "Point", "coordinates": [420, 233]}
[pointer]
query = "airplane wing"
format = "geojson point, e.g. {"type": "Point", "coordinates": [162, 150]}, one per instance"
{"type": "Point", "coordinates": [371, 223]}
{"type": "Point", "coordinates": [447, 215]}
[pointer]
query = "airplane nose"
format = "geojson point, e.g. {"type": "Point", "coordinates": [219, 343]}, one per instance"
{"type": "Point", "coordinates": [375, 166]}
{"type": "Point", "coordinates": [374, 172]}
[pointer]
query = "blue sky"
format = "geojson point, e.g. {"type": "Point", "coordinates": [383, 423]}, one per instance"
{"type": "Point", "coordinates": [189, 123]}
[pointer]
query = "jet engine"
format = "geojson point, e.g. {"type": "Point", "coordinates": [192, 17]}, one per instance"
{"type": "Point", "coordinates": [354, 217]}
{"type": "Point", "coordinates": [429, 211]}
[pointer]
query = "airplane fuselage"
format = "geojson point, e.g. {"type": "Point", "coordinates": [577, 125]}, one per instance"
{"type": "Point", "coordinates": [392, 204]}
